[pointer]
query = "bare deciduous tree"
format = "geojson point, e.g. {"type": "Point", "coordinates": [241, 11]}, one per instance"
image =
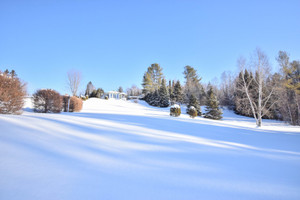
{"type": "Point", "coordinates": [259, 101]}
{"type": "Point", "coordinates": [73, 81]}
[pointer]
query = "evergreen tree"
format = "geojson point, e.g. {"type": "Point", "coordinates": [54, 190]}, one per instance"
{"type": "Point", "coordinates": [171, 91]}
{"type": "Point", "coordinates": [97, 93]}
{"type": "Point", "coordinates": [163, 94]}
{"type": "Point", "coordinates": [178, 93]}
{"type": "Point", "coordinates": [193, 102]}
{"type": "Point", "coordinates": [289, 96]}
{"type": "Point", "coordinates": [242, 105]}
{"type": "Point", "coordinates": [120, 89]}
{"type": "Point", "coordinates": [89, 89]}
{"type": "Point", "coordinates": [152, 78]}
{"type": "Point", "coordinates": [147, 83]}
{"type": "Point", "coordinates": [192, 84]}
{"type": "Point", "coordinates": [212, 106]}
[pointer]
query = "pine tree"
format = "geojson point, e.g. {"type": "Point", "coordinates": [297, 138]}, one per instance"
{"type": "Point", "coordinates": [178, 93]}
{"type": "Point", "coordinates": [289, 98]}
{"type": "Point", "coordinates": [192, 84]}
{"type": "Point", "coordinates": [212, 106]}
{"type": "Point", "coordinates": [163, 94]}
{"type": "Point", "coordinates": [193, 102]}
{"type": "Point", "coordinates": [147, 83]}
{"type": "Point", "coordinates": [152, 78]}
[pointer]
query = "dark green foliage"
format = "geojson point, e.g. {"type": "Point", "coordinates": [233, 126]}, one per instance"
{"type": "Point", "coordinates": [212, 106]}
{"type": "Point", "coordinates": [89, 89]}
{"type": "Point", "coordinates": [163, 95]}
{"type": "Point", "coordinates": [193, 102]}
{"type": "Point", "coordinates": [178, 93]}
{"type": "Point", "coordinates": [175, 110]}
{"type": "Point", "coordinates": [97, 93]}
{"type": "Point", "coordinates": [171, 91]}
{"type": "Point", "coordinates": [242, 105]}
{"type": "Point", "coordinates": [154, 87]}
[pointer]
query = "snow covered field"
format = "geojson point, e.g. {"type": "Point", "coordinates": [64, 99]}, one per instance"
{"type": "Point", "coordinates": [124, 150]}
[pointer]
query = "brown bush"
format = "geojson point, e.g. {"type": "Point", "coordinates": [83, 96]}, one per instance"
{"type": "Point", "coordinates": [75, 104]}
{"type": "Point", "coordinates": [12, 93]}
{"type": "Point", "coordinates": [192, 112]}
{"type": "Point", "coordinates": [175, 111]}
{"type": "Point", "coordinates": [47, 101]}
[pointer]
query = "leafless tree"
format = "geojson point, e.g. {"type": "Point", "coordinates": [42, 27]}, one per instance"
{"type": "Point", "coordinates": [226, 95]}
{"type": "Point", "coordinates": [73, 81]}
{"type": "Point", "coordinates": [259, 101]}
{"type": "Point", "coordinates": [134, 91]}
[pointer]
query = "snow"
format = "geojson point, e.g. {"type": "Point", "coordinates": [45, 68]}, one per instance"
{"type": "Point", "coordinates": [116, 149]}
{"type": "Point", "coordinates": [175, 106]}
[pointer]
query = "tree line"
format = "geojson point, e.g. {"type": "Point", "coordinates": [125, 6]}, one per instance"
{"type": "Point", "coordinates": [254, 92]}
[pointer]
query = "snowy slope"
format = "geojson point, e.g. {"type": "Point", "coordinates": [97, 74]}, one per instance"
{"type": "Point", "coordinates": [124, 150]}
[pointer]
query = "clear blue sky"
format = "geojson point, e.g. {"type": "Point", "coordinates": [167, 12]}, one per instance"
{"type": "Point", "coordinates": [113, 42]}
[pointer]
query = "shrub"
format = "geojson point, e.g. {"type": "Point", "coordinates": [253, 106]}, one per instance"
{"type": "Point", "coordinates": [12, 93]}
{"type": "Point", "coordinates": [192, 112]}
{"type": "Point", "coordinates": [106, 97]}
{"type": "Point", "coordinates": [75, 104]}
{"type": "Point", "coordinates": [47, 101]}
{"type": "Point", "coordinates": [175, 110]}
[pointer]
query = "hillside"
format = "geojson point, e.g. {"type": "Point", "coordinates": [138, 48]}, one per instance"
{"type": "Point", "coordinates": [124, 150]}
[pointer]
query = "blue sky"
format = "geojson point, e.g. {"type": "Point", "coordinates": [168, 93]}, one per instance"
{"type": "Point", "coordinates": [113, 42]}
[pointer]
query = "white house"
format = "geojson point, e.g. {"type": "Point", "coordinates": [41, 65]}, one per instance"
{"type": "Point", "coordinates": [116, 95]}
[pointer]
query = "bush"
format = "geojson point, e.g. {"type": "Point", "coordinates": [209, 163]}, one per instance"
{"type": "Point", "coordinates": [84, 98]}
{"type": "Point", "coordinates": [175, 110]}
{"type": "Point", "coordinates": [47, 101]}
{"type": "Point", "coordinates": [192, 112]}
{"type": "Point", "coordinates": [75, 104]}
{"type": "Point", "coordinates": [12, 93]}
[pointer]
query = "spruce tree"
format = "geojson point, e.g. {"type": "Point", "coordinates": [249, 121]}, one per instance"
{"type": "Point", "coordinates": [89, 89]}
{"type": "Point", "coordinates": [163, 94]}
{"type": "Point", "coordinates": [178, 93]}
{"type": "Point", "coordinates": [212, 106]}
{"type": "Point", "coordinates": [193, 102]}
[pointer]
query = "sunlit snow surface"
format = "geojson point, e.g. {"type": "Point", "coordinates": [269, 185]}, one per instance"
{"type": "Point", "coordinates": [115, 149]}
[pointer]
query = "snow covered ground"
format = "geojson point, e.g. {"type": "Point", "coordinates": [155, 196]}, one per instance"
{"type": "Point", "coordinates": [125, 150]}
